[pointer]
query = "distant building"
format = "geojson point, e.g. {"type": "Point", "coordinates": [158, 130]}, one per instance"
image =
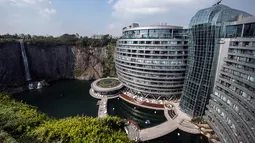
{"type": "Point", "coordinates": [151, 61]}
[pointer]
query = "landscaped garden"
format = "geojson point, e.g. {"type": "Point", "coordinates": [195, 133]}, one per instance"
{"type": "Point", "coordinates": [108, 83]}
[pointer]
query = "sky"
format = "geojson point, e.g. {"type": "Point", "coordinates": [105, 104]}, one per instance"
{"type": "Point", "coordinates": [88, 17]}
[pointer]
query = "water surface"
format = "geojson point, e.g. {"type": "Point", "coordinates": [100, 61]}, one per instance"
{"type": "Point", "coordinates": [123, 109]}
{"type": "Point", "coordinates": [62, 98]}
{"type": "Point", "coordinates": [67, 98]}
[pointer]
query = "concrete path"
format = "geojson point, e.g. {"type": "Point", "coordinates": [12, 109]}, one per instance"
{"type": "Point", "coordinates": [181, 121]}
{"type": "Point", "coordinates": [102, 110]}
{"type": "Point", "coordinates": [158, 131]}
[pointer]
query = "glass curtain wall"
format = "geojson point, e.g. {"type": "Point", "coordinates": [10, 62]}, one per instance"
{"type": "Point", "coordinates": [206, 27]}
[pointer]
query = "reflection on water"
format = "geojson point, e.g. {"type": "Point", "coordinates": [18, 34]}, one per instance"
{"type": "Point", "coordinates": [63, 98]}
{"type": "Point", "coordinates": [126, 110]}
{"type": "Point", "coordinates": [179, 136]}
{"type": "Point", "coordinates": [138, 114]}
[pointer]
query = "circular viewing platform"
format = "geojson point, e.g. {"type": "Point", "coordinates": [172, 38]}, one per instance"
{"type": "Point", "coordinates": [109, 87]}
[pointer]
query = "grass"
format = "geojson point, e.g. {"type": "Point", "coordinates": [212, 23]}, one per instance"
{"type": "Point", "coordinates": [108, 83]}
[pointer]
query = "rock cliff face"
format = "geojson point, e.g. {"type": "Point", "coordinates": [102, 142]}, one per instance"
{"type": "Point", "coordinates": [11, 66]}
{"type": "Point", "coordinates": [50, 63]}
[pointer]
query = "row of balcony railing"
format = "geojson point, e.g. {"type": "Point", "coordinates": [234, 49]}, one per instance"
{"type": "Point", "coordinates": [239, 90]}
{"type": "Point", "coordinates": [239, 83]}
{"type": "Point", "coordinates": [157, 62]}
{"type": "Point", "coordinates": [180, 67]}
{"type": "Point", "coordinates": [239, 127]}
{"type": "Point", "coordinates": [153, 57]}
{"type": "Point", "coordinates": [154, 36]}
{"type": "Point", "coordinates": [142, 82]}
{"type": "Point", "coordinates": [242, 52]}
{"type": "Point", "coordinates": [236, 128]}
{"type": "Point", "coordinates": [148, 71]}
{"type": "Point", "coordinates": [248, 105]}
{"type": "Point", "coordinates": [242, 44]}
{"type": "Point", "coordinates": [245, 115]}
{"type": "Point", "coordinates": [150, 90]}
{"type": "Point", "coordinates": [152, 75]}
{"type": "Point", "coordinates": [157, 81]}
{"type": "Point", "coordinates": [175, 48]}
{"type": "Point", "coordinates": [123, 42]}
{"type": "Point", "coordinates": [243, 68]}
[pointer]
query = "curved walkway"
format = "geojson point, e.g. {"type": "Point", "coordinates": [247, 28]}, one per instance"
{"type": "Point", "coordinates": [158, 131]}
{"type": "Point", "coordinates": [169, 126]}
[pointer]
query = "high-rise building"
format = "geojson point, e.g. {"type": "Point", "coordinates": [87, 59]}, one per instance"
{"type": "Point", "coordinates": [206, 27]}
{"type": "Point", "coordinates": [151, 61]}
{"type": "Point", "coordinates": [231, 109]}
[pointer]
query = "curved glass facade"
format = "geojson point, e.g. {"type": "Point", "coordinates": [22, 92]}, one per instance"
{"type": "Point", "coordinates": [206, 27]}
{"type": "Point", "coordinates": [154, 33]}
{"type": "Point", "coordinates": [151, 61]}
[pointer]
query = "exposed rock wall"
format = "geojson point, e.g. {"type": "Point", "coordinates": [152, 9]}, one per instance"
{"type": "Point", "coordinates": [50, 63]}
{"type": "Point", "coordinates": [11, 65]}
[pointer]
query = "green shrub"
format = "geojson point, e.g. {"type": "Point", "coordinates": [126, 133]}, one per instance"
{"type": "Point", "coordinates": [82, 130]}
{"type": "Point", "coordinates": [25, 124]}
{"type": "Point", "coordinates": [17, 118]}
{"type": "Point", "coordinates": [6, 138]}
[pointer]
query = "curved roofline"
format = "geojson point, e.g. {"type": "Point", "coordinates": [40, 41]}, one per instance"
{"type": "Point", "coordinates": [212, 14]}
{"type": "Point", "coordinates": [154, 27]}
{"type": "Point", "coordinates": [101, 89]}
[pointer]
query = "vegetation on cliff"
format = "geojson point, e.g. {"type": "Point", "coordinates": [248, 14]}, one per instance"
{"type": "Point", "coordinates": [65, 39]}
{"type": "Point", "coordinates": [23, 123]}
{"type": "Point", "coordinates": [108, 64]}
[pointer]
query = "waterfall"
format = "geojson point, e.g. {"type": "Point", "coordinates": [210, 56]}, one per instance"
{"type": "Point", "coordinates": [24, 56]}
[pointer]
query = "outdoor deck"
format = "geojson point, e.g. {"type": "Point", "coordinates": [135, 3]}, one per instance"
{"type": "Point", "coordinates": [142, 104]}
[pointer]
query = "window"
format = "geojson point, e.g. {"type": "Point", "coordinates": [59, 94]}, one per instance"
{"type": "Point", "coordinates": [173, 42]}
{"type": "Point", "coordinates": [234, 31]}
{"type": "Point", "coordinates": [156, 42]}
{"type": "Point", "coordinates": [164, 42]}
{"type": "Point", "coordinates": [249, 30]}
{"type": "Point", "coordinates": [148, 42]}
{"type": "Point", "coordinates": [245, 44]}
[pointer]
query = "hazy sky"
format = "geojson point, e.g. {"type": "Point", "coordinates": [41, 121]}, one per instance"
{"type": "Point", "coordinates": [86, 17]}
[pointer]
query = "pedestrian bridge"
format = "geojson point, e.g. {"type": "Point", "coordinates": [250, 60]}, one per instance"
{"type": "Point", "coordinates": [102, 110]}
